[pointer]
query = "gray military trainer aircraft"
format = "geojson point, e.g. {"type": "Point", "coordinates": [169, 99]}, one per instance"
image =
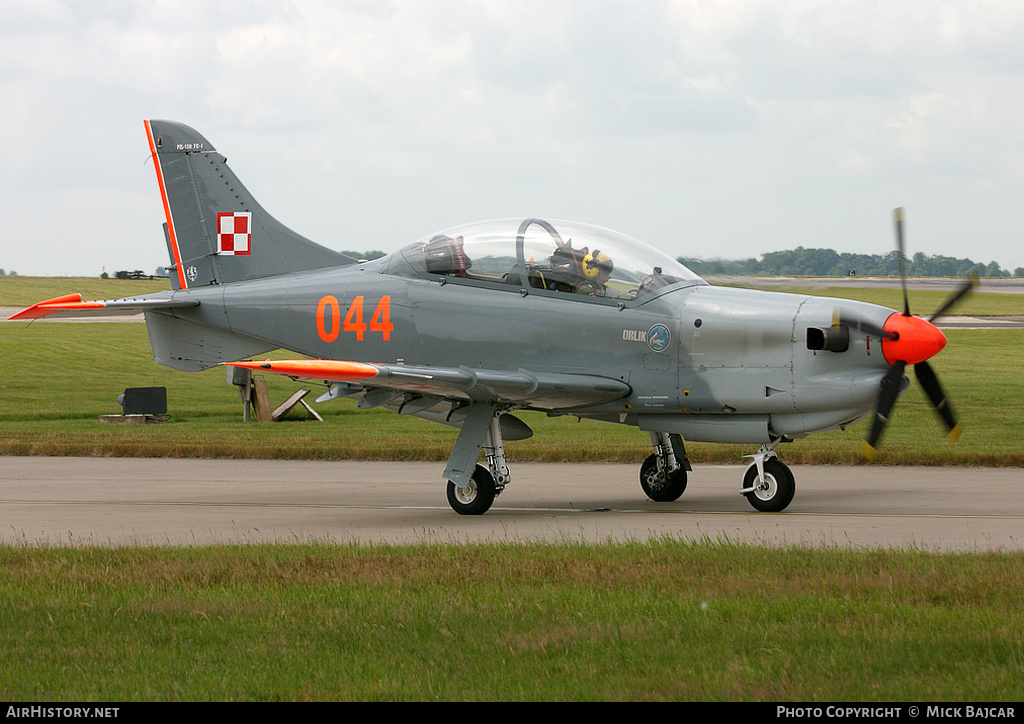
{"type": "Point", "coordinates": [467, 325]}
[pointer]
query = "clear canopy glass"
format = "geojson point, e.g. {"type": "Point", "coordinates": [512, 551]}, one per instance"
{"type": "Point", "coordinates": [560, 256]}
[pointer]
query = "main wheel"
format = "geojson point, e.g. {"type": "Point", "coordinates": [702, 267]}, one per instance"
{"type": "Point", "coordinates": [777, 490]}
{"type": "Point", "coordinates": [659, 486]}
{"type": "Point", "coordinates": [475, 499]}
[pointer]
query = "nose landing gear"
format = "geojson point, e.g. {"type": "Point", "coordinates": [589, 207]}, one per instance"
{"type": "Point", "coordinates": [768, 483]}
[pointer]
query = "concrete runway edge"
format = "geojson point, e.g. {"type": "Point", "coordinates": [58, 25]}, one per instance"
{"type": "Point", "coordinates": [159, 501]}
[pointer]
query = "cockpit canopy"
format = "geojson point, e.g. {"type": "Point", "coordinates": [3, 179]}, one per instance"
{"type": "Point", "coordinates": [559, 256]}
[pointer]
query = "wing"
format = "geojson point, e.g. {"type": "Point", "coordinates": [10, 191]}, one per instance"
{"type": "Point", "coordinates": [423, 387]}
{"type": "Point", "coordinates": [72, 305]}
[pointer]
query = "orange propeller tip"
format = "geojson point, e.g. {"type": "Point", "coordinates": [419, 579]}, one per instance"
{"type": "Point", "coordinates": [954, 434]}
{"type": "Point", "coordinates": [868, 450]}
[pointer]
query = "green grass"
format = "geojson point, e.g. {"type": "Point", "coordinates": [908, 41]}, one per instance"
{"type": "Point", "coordinates": [20, 291]}
{"type": "Point", "coordinates": [665, 620]}
{"type": "Point", "coordinates": [922, 301]}
{"type": "Point", "coordinates": [56, 379]}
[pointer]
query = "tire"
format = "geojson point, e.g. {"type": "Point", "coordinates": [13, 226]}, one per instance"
{"type": "Point", "coordinates": [659, 487]}
{"type": "Point", "coordinates": [779, 487]}
{"type": "Point", "coordinates": [477, 498]}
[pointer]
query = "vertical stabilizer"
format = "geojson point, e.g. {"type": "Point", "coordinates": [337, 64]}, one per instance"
{"type": "Point", "coordinates": [216, 232]}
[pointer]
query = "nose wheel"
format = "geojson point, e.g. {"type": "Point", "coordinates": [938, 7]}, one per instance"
{"type": "Point", "coordinates": [769, 485]}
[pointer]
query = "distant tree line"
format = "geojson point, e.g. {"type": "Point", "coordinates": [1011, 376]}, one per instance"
{"type": "Point", "coordinates": [162, 271]}
{"type": "Point", "coordinates": [829, 263]}
{"type": "Point", "coordinates": [368, 255]}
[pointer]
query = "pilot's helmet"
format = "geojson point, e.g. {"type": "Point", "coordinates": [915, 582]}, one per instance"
{"type": "Point", "coordinates": [594, 264]}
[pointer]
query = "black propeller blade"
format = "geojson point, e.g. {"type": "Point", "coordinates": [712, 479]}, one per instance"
{"type": "Point", "coordinates": [890, 390]}
{"type": "Point", "coordinates": [862, 325]}
{"type": "Point", "coordinates": [897, 216]}
{"type": "Point", "coordinates": [969, 285]}
{"type": "Point", "coordinates": [893, 380]}
{"type": "Point", "coordinates": [930, 383]}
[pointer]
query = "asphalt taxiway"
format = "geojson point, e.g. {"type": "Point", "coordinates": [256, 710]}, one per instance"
{"type": "Point", "coordinates": [152, 501]}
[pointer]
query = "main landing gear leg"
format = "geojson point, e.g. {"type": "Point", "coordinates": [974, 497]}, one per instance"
{"type": "Point", "coordinates": [472, 487]}
{"type": "Point", "coordinates": [494, 452]}
{"type": "Point", "coordinates": [663, 474]}
{"type": "Point", "coordinates": [768, 483]}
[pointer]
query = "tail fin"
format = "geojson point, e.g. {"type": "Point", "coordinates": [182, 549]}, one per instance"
{"type": "Point", "coordinates": [216, 232]}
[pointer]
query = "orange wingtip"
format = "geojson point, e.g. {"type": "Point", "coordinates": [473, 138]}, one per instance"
{"type": "Point", "coordinates": [66, 303]}
{"type": "Point", "coordinates": [317, 369]}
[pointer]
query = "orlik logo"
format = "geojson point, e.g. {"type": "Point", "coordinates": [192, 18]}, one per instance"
{"type": "Point", "coordinates": [657, 337]}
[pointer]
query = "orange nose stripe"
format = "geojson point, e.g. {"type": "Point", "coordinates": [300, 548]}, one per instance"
{"type": "Point", "coordinates": [917, 340]}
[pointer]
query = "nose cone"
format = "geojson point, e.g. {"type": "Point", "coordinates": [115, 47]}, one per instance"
{"type": "Point", "coordinates": [914, 340]}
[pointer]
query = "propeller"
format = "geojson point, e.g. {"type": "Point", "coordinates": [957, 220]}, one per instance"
{"type": "Point", "coordinates": [897, 217]}
{"type": "Point", "coordinates": [910, 340]}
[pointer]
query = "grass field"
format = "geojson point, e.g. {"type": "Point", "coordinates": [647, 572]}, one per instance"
{"type": "Point", "coordinates": [19, 291]}
{"type": "Point", "coordinates": [661, 620]}
{"type": "Point", "coordinates": [665, 620]}
{"type": "Point", "coordinates": [22, 291]}
{"type": "Point", "coordinates": [56, 379]}
{"type": "Point", "coordinates": [922, 301]}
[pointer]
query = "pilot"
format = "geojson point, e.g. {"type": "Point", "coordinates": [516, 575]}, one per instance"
{"type": "Point", "coordinates": [597, 268]}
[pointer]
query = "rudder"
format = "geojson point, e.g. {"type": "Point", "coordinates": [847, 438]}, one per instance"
{"type": "Point", "coordinates": [216, 232]}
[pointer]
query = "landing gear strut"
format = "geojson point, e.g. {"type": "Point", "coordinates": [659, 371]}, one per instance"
{"type": "Point", "coordinates": [472, 488]}
{"type": "Point", "coordinates": [768, 483]}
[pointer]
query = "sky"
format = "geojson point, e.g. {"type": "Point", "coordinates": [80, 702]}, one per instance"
{"type": "Point", "coordinates": [706, 128]}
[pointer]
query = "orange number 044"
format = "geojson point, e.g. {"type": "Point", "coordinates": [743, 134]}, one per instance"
{"type": "Point", "coordinates": [329, 324]}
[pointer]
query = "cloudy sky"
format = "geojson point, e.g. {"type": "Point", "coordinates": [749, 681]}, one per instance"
{"type": "Point", "coordinates": [717, 128]}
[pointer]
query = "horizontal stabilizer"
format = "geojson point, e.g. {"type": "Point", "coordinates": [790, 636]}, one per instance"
{"type": "Point", "coordinates": [72, 305]}
{"type": "Point", "coordinates": [535, 390]}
